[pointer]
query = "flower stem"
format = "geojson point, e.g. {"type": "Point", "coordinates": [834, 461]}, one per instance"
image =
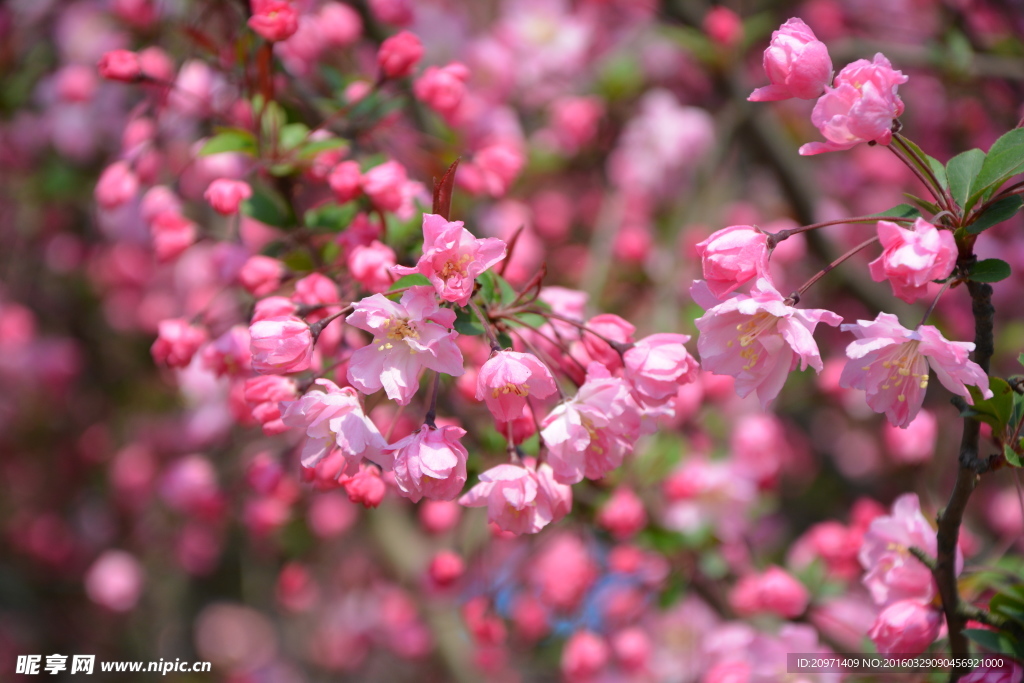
{"type": "Point", "coordinates": [821, 273]}
{"type": "Point", "coordinates": [488, 327]}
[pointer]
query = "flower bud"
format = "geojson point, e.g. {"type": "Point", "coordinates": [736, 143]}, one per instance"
{"type": "Point", "coordinates": [399, 54]}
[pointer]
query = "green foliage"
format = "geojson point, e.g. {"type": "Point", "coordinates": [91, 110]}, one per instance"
{"type": "Point", "coordinates": [989, 270]}
{"type": "Point", "coordinates": [996, 411]}
{"type": "Point", "coordinates": [1000, 211]}
{"type": "Point", "coordinates": [1004, 160]}
{"type": "Point", "coordinates": [268, 207]}
{"type": "Point", "coordinates": [898, 211]}
{"type": "Point", "coordinates": [411, 280]}
{"type": "Point", "coordinates": [962, 170]}
{"type": "Point", "coordinates": [230, 140]}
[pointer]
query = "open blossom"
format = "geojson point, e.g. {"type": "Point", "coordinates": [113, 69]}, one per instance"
{"type": "Point", "coordinates": [507, 378]}
{"type": "Point", "coordinates": [893, 574]}
{"type": "Point", "coordinates": [891, 363]}
{"type": "Point", "coordinates": [860, 108]}
{"type": "Point", "coordinates": [275, 20]}
{"type": "Point", "coordinates": [797, 64]}
{"type": "Point", "coordinates": [657, 365]}
{"type": "Point", "coordinates": [732, 257]}
{"type": "Point", "coordinates": [589, 435]}
{"type": "Point", "coordinates": [226, 195]}
{"type": "Point", "coordinates": [907, 626]}
{"type": "Point", "coordinates": [430, 463]}
{"type": "Point", "coordinates": [407, 336]}
{"type": "Point", "coordinates": [453, 258]}
{"type": "Point", "coordinates": [912, 258]}
{"type": "Point", "coordinates": [334, 418]}
{"type": "Point", "coordinates": [264, 396]}
{"type": "Point", "coordinates": [758, 339]}
{"type": "Point", "coordinates": [177, 341]}
{"type": "Point", "coordinates": [520, 499]}
{"type": "Point", "coordinates": [280, 345]}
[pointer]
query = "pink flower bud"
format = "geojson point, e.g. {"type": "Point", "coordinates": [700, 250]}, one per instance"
{"type": "Point", "coordinates": [774, 591]}
{"type": "Point", "coordinates": [430, 463]}
{"type": "Point", "coordinates": [446, 568]}
{"type": "Point", "coordinates": [158, 200]}
{"type": "Point", "coordinates": [732, 257]}
{"type": "Point", "coordinates": [339, 24]}
{"type": "Point", "coordinates": [263, 395]}
{"type": "Point", "coordinates": [632, 648]}
{"type": "Point", "coordinates": [623, 515]}
{"type": "Point", "coordinates": [439, 516]}
{"type": "Point", "coordinates": [273, 307]}
{"type": "Point", "coordinates": [172, 234]}
{"type": "Point", "coordinates": [280, 345]}
{"type": "Point", "coordinates": [574, 121]}
{"type": "Point", "coordinates": [345, 179]}
{"type": "Point", "coordinates": [797, 64]}
{"type": "Point", "coordinates": [394, 12]}
{"type": "Point", "coordinates": [612, 327]}
{"type": "Point", "coordinates": [115, 581]}
{"type": "Point", "coordinates": [117, 185]}
{"type": "Point", "coordinates": [275, 20]}
{"type": "Point", "coordinates": [723, 26]}
{"type": "Point", "coordinates": [585, 655]}
{"type": "Point", "coordinates": [658, 365]}
{"type": "Point", "coordinates": [139, 13]}
{"type": "Point", "coordinates": [76, 83]}
{"type": "Point", "coordinates": [1009, 672]}
{"type": "Point", "coordinates": [371, 266]}
{"type": "Point", "coordinates": [356, 91]}
{"type": "Point", "coordinates": [728, 672]}
{"type": "Point", "coordinates": [261, 275]}
{"type": "Point", "coordinates": [365, 487]}
{"type": "Point", "coordinates": [399, 54]}
{"type": "Point", "coordinates": [442, 89]}
{"type": "Point", "coordinates": [120, 65]}
{"type": "Point", "coordinates": [384, 185]}
{"type": "Point", "coordinates": [911, 259]}
{"type": "Point", "coordinates": [907, 627]}
{"type": "Point", "coordinates": [177, 341]}
{"type": "Point", "coordinates": [226, 195]}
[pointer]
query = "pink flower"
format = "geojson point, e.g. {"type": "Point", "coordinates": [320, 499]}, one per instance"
{"type": "Point", "coordinates": [890, 363]}
{"type": "Point", "coordinates": [117, 185]}
{"type": "Point", "coordinates": [728, 672]}
{"type": "Point", "coordinates": [261, 275]}
{"type": "Point", "coordinates": [507, 378]}
{"type": "Point", "coordinates": [229, 353]}
{"type": "Point", "coordinates": [575, 120]}
{"type": "Point", "coordinates": [453, 258]}
{"type": "Point", "coordinates": [860, 108]}
{"type": "Point", "coordinates": [912, 258]}
{"type": "Point", "coordinates": [334, 418]}
{"type": "Point", "coordinates": [623, 514]}
{"type": "Point", "coordinates": [893, 574]}
{"type": "Point", "coordinates": [371, 265]}
{"type": "Point", "coordinates": [226, 195]}
{"type": "Point", "coordinates": [732, 257]}
{"type": "Point", "coordinates": [1009, 672]}
{"type": "Point", "coordinates": [365, 486]}
{"type": "Point", "coordinates": [758, 339]}
{"type": "Point", "coordinates": [176, 342]}
{"type": "Point", "coordinates": [656, 366]}
{"type": "Point", "coordinates": [430, 463]}
{"type": "Point", "coordinates": [442, 89]}
{"type": "Point", "coordinates": [340, 25]}
{"type": "Point", "coordinates": [493, 168]}
{"type": "Point", "coordinates": [589, 435]}
{"type": "Point", "coordinates": [280, 345]}
{"type": "Point", "coordinates": [120, 65]}
{"type": "Point", "coordinates": [907, 626]}
{"type": "Point", "coordinates": [273, 307]}
{"type": "Point", "coordinates": [797, 64]}
{"type": "Point", "coordinates": [520, 500]}
{"type": "Point", "coordinates": [115, 581]}
{"type": "Point", "coordinates": [585, 655]}
{"type": "Point", "coordinates": [399, 54]}
{"type": "Point", "coordinates": [275, 20]}
{"type": "Point", "coordinates": [723, 26]}
{"type": "Point", "coordinates": [316, 289]}
{"type": "Point", "coordinates": [396, 12]}
{"type": "Point", "coordinates": [774, 591]}
{"type": "Point", "coordinates": [385, 184]}
{"type": "Point", "coordinates": [446, 568]}
{"type": "Point", "coordinates": [264, 396]}
{"type": "Point", "coordinates": [612, 327]}
{"type": "Point", "coordinates": [172, 234]}
{"type": "Point", "coordinates": [914, 444]}
{"type": "Point", "coordinates": [345, 180]}
{"type": "Point", "coordinates": [407, 336]}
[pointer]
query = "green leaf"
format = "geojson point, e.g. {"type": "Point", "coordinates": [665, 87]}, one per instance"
{"type": "Point", "coordinates": [411, 280]}
{"type": "Point", "coordinates": [1004, 160]}
{"type": "Point", "coordinates": [898, 211]}
{"type": "Point", "coordinates": [331, 217]}
{"type": "Point", "coordinates": [1020, 359]}
{"type": "Point", "coordinates": [267, 207]}
{"type": "Point", "coordinates": [989, 270]}
{"type": "Point", "coordinates": [505, 340]}
{"type": "Point", "coordinates": [1000, 211]}
{"type": "Point", "coordinates": [933, 164]}
{"type": "Point", "coordinates": [924, 204]}
{"type": "Point", "coordinates": [230, 140]}
{"type": "Point", "coordinates": [996, 411]}
{"type": "Point", "coordinates": [314, 147]}
{"type": "Point", "coordinates": [531, 319]}
{"type": "Point", "coordinates": [488, 285]}
{"type": "Point", "coordinates": [996, 641]}
{"type": "Point", "coordinates": [962, 170]}
{"type": "Point", "coordinates": [508, 294]}
{"type": "Point", "coordinates": [293, 135]}
{"type": "Point", "coordinates": [466, 322]}
{"type": "Point", "coordinates": [1011, 455]}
